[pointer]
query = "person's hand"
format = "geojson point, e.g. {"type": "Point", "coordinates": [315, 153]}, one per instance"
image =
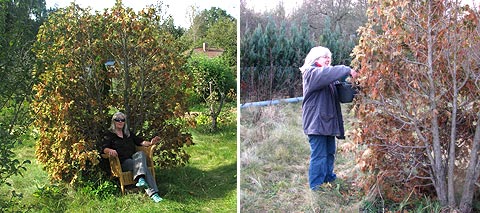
{"type": "Point", "coordinates": [111, 152]}
{"type": "Point", "coordinates": [353, 73]}
{"type": "Point", "coordinates": [155, 140]}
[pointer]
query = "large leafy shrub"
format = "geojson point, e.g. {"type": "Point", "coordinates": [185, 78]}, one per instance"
{"type": "Point", "coordinates": [77, 90]}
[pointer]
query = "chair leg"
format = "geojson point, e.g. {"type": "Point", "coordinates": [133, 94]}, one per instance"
{"type": "Point", "coordinates": [122, 185]}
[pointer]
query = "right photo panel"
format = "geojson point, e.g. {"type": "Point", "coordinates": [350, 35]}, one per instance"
{"type": "Point", "coordinates": [359, 106]}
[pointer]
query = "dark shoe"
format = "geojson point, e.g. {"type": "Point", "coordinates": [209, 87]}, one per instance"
{"type": "Point", "coordinates": [142, 183]}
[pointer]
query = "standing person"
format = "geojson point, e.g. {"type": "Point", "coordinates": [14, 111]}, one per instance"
{"type": "Point", "coordinates": [120, 142]}
{"type": "Point", "coordinates": [321, 113]}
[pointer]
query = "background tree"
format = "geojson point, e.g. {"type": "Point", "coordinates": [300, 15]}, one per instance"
{"type": "Point", "coordinates": [340, 45]}
{"type": "Point", "coordinates": [202, 21]}
{"type": "Point", "coordinates": [208, 18]}
{"type": "Point", "coordinates": [77, 93]}
{"type": "Point", "coordinates": [300, 44]}
{"type": "Point", "coordinates": [270, 57]}
{"type": "Point", "coordinates": [213, 80]}
{"type": "Point", "coordinates": [250, 19]}
{"type": "Point", "coordinates": [344, 15]}
{"type": "Point", "coordinates": [419, 103]}
{"type": "Point", "coordinates": [191, 35]}
{"type": "Point", "coordinates": [223, 34]}
{"type": "Point", "coordinates": [165, 21]}
{"type": "Point", "coordinates": [169, 26]}
{"type": "Point", "coordinates": [327, 23]}
{"type": "Point", "coordinates": [19, 22]}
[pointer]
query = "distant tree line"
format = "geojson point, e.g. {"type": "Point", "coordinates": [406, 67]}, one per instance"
{"type": "Point", "coordinates": [215, 27]}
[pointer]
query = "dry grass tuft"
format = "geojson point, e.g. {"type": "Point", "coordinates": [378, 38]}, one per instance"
{"type": "Point", "coordinates": [274, 165]}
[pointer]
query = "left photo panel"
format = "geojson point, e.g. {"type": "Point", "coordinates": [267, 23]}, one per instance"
{"type": "Point", "coordinates": [118, 106]}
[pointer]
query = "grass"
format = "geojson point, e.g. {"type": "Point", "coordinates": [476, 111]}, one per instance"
{"type": "Point", "coordinates": [274, 165]}
{"type": "Point", "coordinates": [206, 184]}
{"type": "Point", "coordinates": [274, 169]}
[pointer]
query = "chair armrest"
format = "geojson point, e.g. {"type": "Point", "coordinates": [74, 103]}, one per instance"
{"type": "Point", "coordinates": [114, 161]}
{"type": "Point", "coordinates": [115, 166]}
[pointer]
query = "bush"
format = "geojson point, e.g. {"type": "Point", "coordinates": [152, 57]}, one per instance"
{"type": "Point", "coordinates": [12, 203]}
{"type": "Point", "coordinates": [226, 118]}
{"type": "Point", "coordinates": [213, 81]}
{"type": "Point", "coordinates": [76, 91]}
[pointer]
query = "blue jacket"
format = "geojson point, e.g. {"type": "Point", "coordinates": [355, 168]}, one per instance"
{"type": "Point", "coordinates": [321, 112]}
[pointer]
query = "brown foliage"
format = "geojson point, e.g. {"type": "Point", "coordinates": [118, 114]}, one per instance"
{"type": "Point", "coordinates": [419, 83]}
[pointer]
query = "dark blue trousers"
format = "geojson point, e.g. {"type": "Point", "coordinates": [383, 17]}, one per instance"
{"type": "Point", "coordinates": [322, 158]}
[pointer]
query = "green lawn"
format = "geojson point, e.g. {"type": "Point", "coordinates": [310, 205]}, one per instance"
{"type": "Point", "coordinates": [206, 184]}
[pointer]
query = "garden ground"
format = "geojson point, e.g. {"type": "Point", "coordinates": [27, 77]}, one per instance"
{"type": "Point", "coordinates": [274, 168]}
{"type": "Point", "coordinates": [208, 183]}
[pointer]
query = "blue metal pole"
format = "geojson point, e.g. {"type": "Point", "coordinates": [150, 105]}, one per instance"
{"type": "Point", "coordinates": [271, 102]}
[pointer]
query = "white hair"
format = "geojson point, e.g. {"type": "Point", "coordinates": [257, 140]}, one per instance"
{"type": "Point", "coordinates": [120, 115]}
{"type": "Point", "coordinates": [313, 55]}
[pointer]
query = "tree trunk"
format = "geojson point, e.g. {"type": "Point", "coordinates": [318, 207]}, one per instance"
{"type": "Point", "coordinates": [438, 168]}
{"type": "Point", "coordinates": [252, 89]}
{"type": "Point", "coordinates": [451, 153]}
{"type": "Point", "coordinates": [214, 112]}
{"type": "Point", "coordinates": [472, 172]}
{"type": "Point", "coordinates": [291, 92]}
{"type": "Point", "coordinates": [126, 69]}
{"type": "Point", "coordinates": [453, 139]}
{"type": "Point", "coordinates": [271, 77]}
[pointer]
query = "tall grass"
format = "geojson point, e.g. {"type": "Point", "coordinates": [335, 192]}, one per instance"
{"type": "Point", "coordinates": [274, 165]}
{"type": "Point", "coordinates": [274, 169]}
{"type": "Point", "coordinates": [206, 184]}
